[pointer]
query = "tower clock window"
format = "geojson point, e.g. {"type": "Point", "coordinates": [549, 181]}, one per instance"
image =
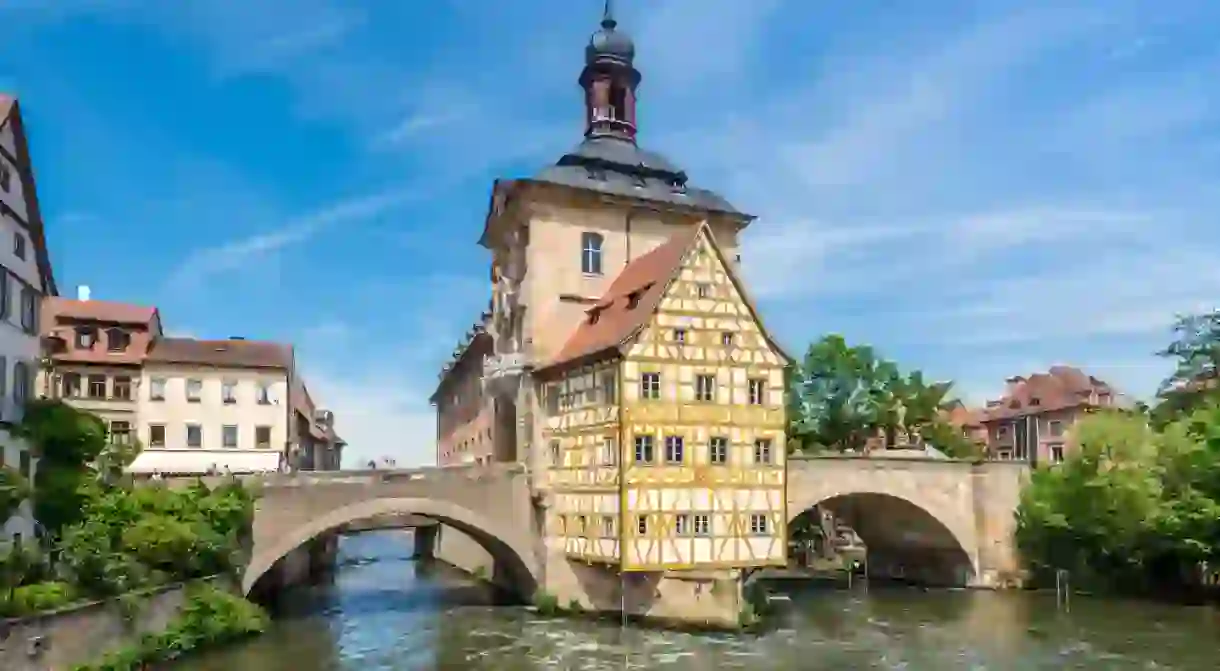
{"type": "Point", "coordinates": [591, 253]}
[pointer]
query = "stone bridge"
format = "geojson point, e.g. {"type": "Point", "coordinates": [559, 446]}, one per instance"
{"type": "Point", "coordinates": [954, 514]}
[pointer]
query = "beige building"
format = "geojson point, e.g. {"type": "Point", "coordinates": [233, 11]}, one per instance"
{"type": "Point", "coordinates": [214, 405]}
{"type": "Point", "coordinates": [95, 350]}
{"type": "Point", "coordinates": [25, 278]}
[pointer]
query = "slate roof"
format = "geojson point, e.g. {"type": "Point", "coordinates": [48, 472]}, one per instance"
{"type": "Point", "coordinates": [221, 353]}
{"type": "Point", "coordinates": [620, 167]}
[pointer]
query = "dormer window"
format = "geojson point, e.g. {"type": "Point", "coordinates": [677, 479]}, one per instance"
{"type": "Point", "coordinates": [1035, 401]}
{"type": "Point", "coordinates": [85, 337]}
{"type": "Point", "coordinates": [595, 315]}
{"type": "Point", "coordinates": [678, 187]}
{"type": "Point", "coordinates": [633, 300]}
{"type": "Point", "coordinates": [591, 253]}
{"type": "Point", "coordinates": [117, 339]}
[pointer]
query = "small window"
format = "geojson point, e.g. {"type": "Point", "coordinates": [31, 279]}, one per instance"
{"type": "Point", "coordinates": [1057, 454]}
{"type": "Point", "coordinates": [23, 382]}
{"type": "Point", "coordinates": [228, 392]}
{"type": "Point", "coordinates": [705, 388]}
{"type": "Point", "coordinates": [262, 437]}
{"type": "Point", "coordinates": [703, 525]}
{"type": "Point", "coordinates": [679, 335]}
{"type": "Point", "coordinates": [6, 177]}
{"type": "Point", "coordinates": [122, 387]}
{"type": "Point", "coordinates": [120, 433]}
{"type": "Point", "coordinates": [156, 389]}
{"type": "Point", "coordinates": [762, 451]}
{"type": "Point", "coordinates": [682, 524]}
{"type": "Point", "coordinates": [552, 400]}
{"type": "Point", "coordinates": [117, 340]}
{"type": "Point", "coordinates": [644, 449]}
{"type": "Point", "coordinates": [674, 451]}
{"type": "Point", "coordinates": [650, 386]}
{"type": "Point", "coordinates": [591, 253]}
{"type": "Point", "coordinates": [228, 435]}
{"type": "Point", "coordinates": [85, 337]}
{"type": "Point", "coordinates": [609, 451]}
{"type": "Point", "coordinates": [194, 390]}
{"type": "Point", "coordinates": [97, 386]}
{"type": "Point", "coordinates": [156, 435]}
{"type": "Point", "coordinates": [263, 394]}
{"type": "Point", "coordinates": [758, 525]}
{"type": "Point", "coordinates": [18, 245]}
{"type": "Point", "coordinates": [633, 300]}
{"type": "Point", "coordinates": [718, 450]}
{"type": "Point", "coordinates": [607, 526]}
{"type": "Point", "coordinates": [1035, 401]}
{"type": "Point", "coordinates": [582, 525]}
{"type": "Point", "coordinates": [1001, 432]}
{"type": "Point", "coordinates": [29, 310]}
{"type": "Point", "coordinates": [726, 338]}
{"type": "Point", "coordinates": [556, 454]}
{"type": "Point", "coordinates": [1056, 427]}
{"type": "Point", "coordinates": [758, 392]}
{"type": "Point", "coordinates": [71, 384]}
{"type": "Point", "coordinates": [610, 388]}
{"type": "Point", "coordinates": [703, 290]}
{"type": "Point", "coordinates": [641, 524]}
{"type": "Point", "coordinates": [194, 435]}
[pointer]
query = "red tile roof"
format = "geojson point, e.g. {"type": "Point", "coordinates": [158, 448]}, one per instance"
{"type": "Point", "coordinates": [633, 297]}
{"type": "Point", "coordinates": [221, 353]}
{"type": "Point", "coordinates": [55, 307]}
{"type": "Point", "coordinates": [1060, 388]}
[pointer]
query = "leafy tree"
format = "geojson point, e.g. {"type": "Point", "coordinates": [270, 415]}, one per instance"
{"type": "Point", "coordinates": [14, 489]}
{"type": "Point", "coordinates": [1195, 351]}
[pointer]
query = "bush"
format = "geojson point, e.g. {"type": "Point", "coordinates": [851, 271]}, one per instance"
{"type": "Point", "coordinates": [39, 598]}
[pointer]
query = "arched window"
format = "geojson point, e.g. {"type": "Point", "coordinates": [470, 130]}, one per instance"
{"type": "Point", "coordinates": [591, 253]}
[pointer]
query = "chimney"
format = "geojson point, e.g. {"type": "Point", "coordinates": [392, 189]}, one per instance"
{"type": "Point", "coordinates": [1012, 384]}
{"type": "Point", "coordinates": [82, 292]}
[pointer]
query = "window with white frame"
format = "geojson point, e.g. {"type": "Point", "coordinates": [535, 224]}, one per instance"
{"type": "Point", "coordinates": [591, 253]}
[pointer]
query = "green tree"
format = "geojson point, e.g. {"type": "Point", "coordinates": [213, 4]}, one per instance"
{"type": "Point", "coordinates": [14, 489]}
{"type": "Point", "coordinates": [1195, 352]}
{"type": "Point", "coordinates": [66, 441]}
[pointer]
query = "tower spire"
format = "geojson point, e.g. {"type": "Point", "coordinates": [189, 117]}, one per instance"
{"type": "Point", "coordinates": [608, 21]}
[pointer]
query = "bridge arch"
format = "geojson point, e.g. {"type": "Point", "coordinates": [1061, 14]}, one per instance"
{"type": "Point", "coordinates": [510, 552]}
{"type": "Point", "coordinates": [930, 537]}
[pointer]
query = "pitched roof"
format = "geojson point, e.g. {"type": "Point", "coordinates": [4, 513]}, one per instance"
{"type": "Point", "coordinates": [10, 113]}
{"type": "Point", "coordinates": [221, 353]}
{"type": "Point", "coordinates": [1060, 388]}
{"type": "Point", "coordinates": [633, 297]}
{"type": "Point", "coordinates": [55, 307]}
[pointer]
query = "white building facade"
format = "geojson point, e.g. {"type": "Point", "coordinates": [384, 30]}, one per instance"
{"type": "Point", "coordinates": [219, 406]}
{"type": "Point", "coordinates": [25, 278]}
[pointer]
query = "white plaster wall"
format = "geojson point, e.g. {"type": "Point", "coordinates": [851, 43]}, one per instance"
{"type": "Point", "coordinates": [13, 197]}
{"type": "Point", "coordinates": [210, 412]}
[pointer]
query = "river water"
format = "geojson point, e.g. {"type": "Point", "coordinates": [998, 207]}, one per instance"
{"type": "Point", "coordinates": [385, 612]}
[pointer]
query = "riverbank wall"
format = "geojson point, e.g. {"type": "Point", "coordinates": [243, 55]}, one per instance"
{"type": "Point", "coordinates": [451, 546]}
{"type": "Point", "coordinates": [84, 633]}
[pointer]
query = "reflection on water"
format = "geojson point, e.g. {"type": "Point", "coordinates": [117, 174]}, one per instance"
{"type": "Point", "coordinates": [385, 612]}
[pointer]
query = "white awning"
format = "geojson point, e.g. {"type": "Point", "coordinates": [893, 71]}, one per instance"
{"type": "Point", "coordinates": [199, 462]}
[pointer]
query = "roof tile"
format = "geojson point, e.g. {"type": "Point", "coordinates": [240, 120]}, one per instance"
{"type": "Point", "coordinates": [221, 353]}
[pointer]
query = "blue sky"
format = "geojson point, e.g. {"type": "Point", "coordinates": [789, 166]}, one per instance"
{"type": "Point", "coordinates": [979, 189]}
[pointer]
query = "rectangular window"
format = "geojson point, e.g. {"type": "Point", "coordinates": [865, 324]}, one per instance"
{"type": "Point", "coordinates": [644, 449]}
{"type": "Point", "coordinates": [1056, 428]}
{"type": "Point", "coordinates": [556, 454]}
{"type": "Point", "coordinates": [194, 435]}
{"type": "Point", "coordinates": [703, 290]}
{"type": "Point", "coordinates": [228, 434]}
{"type": "Point", "coordinates": [718, 450]}
{"type": "Point", "coordinates": [71, 385]}
{"type": "Point", "coordinates": [156, 435]}
{"type": "Point", "coordinates": [610, 388]}
{"type": "Point", "coordinates": [85, 337]}
{"type": "Point", "coordinates": [762, 451]}
{"type": "Point", "coordinates": [156, 389]}
{"type": "Point", "coordinates": [122, 387]}
{"type": "Point", "coordinates": [1057, 454]}
{"type": "Point", "coordinates": [607, 526]}
{"type": "Point", "coordinates": [682, 525]}
{"type": "Point", "coordinates": [650, 386]}
{"type": "Point", "coordinates": [194, 390]}
{"type": "Point", "coordinates": [552, 400]}
{"type": "Point", "coordinates": [726, 338]}
{"type": "Point", "coordinates": [263, 394]}
{"type": "Point", "coordinates": [29, 310]}
{"type": "Point", "coordinates": [228, 392]}
{"type": "Point", "coordinates": [758, 524]}
{"type": "Point", "coordinates": [705, 387]}
{"type": "Point", "coordinates": [609, 451]}
{"type": "Point", "coordinates": [117, 340]}
{"type": "Point", "coordinates": [582, 525]}
{"type": "Point", "coordinates": [120, 433]}
{"type": "Point", "coordinates": [262, 437]}
{"type": "Point", "coordinates": [97, 386]}
{"type": "Point", "coordinates": [673, 449]}
{"type": "Point", "coordinates": [758, 391]}
{"type": "Point", "coordinates": [679, 335]}
{"type": "Point", "coordinates": [703, 525]}
{"type": "Point", "coordinates": [641, 524]}
{"type": "Point", "coordinates": [19, 245]}
{"type": "Point", "coordinates": [591, 253]}
{"type": "Point", "coordinates": [5, 290]}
